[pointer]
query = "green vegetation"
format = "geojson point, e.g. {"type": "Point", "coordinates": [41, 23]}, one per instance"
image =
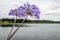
{"type": "Point", "coordinates": [9, 22]}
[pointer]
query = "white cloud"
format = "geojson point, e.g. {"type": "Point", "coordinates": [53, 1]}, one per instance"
{"type": "Point", "coordinates": [50, 7]}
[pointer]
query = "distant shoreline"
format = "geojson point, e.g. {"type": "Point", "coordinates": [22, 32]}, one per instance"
{"type": "Point", "coordinates": [9, 22]}
{"type": "Point", "coordinates": [24, 24]}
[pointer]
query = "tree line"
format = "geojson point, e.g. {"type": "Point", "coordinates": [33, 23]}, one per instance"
{"type": "Point", "coordinates": [27, 21]}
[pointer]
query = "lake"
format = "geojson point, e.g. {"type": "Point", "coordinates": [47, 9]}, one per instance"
{"type": "Point", "coordinates": [33, 32]}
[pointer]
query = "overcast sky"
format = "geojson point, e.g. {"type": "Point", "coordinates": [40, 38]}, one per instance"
{"type": "Point", "coordinates": [50, 9]}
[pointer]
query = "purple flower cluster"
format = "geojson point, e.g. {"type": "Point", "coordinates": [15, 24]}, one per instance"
{"type": "Point", "coordinates": [26, 9]}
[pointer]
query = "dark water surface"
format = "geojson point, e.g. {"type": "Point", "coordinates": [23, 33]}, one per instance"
{"type": "Point", "coordinates": [33, 32]}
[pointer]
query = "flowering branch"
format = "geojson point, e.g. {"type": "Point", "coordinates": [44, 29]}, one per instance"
{"type": "Point", "coordinates": [24, 11]}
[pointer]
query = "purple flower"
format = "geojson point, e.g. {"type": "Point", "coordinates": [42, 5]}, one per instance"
{"type": "Point", "coordinates": [22, 11]}
{"type": "Point", "coordinates": [17, 12]}
{"type": "Point", "coordinates": [33, 10]}
{"type": "Point", "coordinates": [12, 12]}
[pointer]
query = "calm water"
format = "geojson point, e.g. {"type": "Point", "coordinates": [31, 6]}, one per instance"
{"type": "Point", "coordinates": [33, 32]}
